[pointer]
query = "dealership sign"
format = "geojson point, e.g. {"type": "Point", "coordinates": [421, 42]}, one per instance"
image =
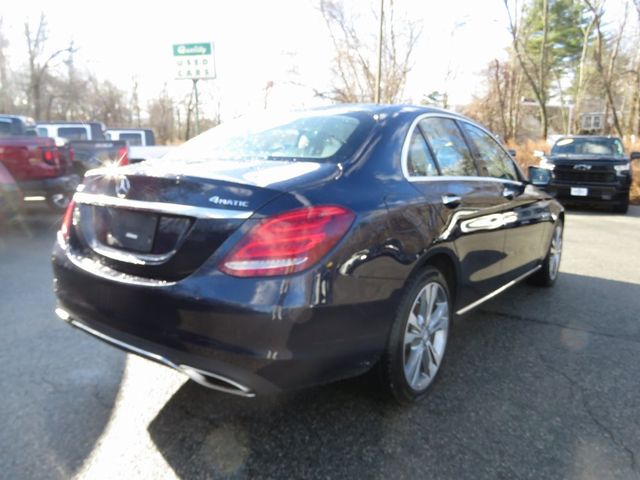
{"type": "Point", "coordinates": [194, 61]}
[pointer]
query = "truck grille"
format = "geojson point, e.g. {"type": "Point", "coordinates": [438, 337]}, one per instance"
{"type": "Point", "coordinates": [584, 176]}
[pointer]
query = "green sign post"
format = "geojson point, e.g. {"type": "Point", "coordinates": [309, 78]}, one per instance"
{"type": "Point", "coordinates": [194, 61]}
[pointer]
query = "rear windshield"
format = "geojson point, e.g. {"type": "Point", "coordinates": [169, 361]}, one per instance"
{"type": "Point", "coordinates": [588, 146]}
{"type": "Point", "coordinates": [311, 136]}
{"type": "Point", "coordinates": [73, 133]}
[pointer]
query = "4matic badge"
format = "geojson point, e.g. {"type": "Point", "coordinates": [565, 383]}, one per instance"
{"type": "Point", "coordinates": [229, 202]}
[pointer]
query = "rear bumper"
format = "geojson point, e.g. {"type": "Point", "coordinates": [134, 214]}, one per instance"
{"type": "Point", "coordinates": [249, 336]}
{"type": "Point", "coordinates": [48, 186]}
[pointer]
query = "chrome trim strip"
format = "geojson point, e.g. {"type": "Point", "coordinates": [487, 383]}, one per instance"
{"type": "Point", "coordinates": [118, 343]}
{"type": "Point", "coordinates": [103, 271]}
{"type": "Point", "coordinates": [137, 259]}
{"type": "Point", "coordinates": [195, 374]}
{"type": "Point", "coordinates": [473, 305]}
{"type": "Point", "coordinates": [160, 207]}
{"type": "Point", "coordinates": [444, 178]}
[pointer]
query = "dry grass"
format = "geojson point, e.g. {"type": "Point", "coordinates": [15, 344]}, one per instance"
{"type": "Point", "coordinates": [524, 156]}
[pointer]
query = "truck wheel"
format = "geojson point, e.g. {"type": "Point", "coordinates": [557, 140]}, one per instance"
{"type": "Point", "coordinates": [58, 202]}
{"type": "Point", "coordinates": [418, 339]}
{"type": "Point", "coordinates": [622, 207]}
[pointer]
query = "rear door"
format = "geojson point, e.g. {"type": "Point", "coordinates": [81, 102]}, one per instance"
{"type": "Point", "coordinates": [526, 215]}
{"type": "Point", "coordinates": [471, 206]}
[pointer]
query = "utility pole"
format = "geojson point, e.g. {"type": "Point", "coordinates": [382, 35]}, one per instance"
{"type": "Point", "coordinates": [379, 72]}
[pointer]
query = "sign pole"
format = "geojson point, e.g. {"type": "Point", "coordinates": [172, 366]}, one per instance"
{"type": "Point", "coordinates": [195, 91]}
{"type": "Point", "coordinates": [194, 61]}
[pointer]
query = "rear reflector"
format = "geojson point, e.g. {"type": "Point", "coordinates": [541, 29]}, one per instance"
{"type": "Point", "coordinates": [65, 228]}
{"type": "Point", "coordinates": [289, 242]}
{"type": "Point", "coordinates": [123, 156]}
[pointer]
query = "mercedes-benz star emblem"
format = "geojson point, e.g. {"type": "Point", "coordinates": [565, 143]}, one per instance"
{"type": "Point", "coordinates": [122, 186]}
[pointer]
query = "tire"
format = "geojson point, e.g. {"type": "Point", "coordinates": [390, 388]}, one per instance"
{"type": "Point", "coordinates": [548, 274]}
{"type": "Point", "coordinates": [411, 337]}
{"type": "Point", "coordinates": [58, 202]}
{"type": "Point", "coordinates": [622, 207]}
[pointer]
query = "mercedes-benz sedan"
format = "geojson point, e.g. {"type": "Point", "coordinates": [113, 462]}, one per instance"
{"type": "Point", "coordinates": [280, 252]}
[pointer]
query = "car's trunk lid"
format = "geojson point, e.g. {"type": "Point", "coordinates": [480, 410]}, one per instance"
{"type": "Point", "coordinates": [151, 221]}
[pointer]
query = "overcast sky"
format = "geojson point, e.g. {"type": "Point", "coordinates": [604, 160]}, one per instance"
{"type": "Point", "coordinates": [257, 41]}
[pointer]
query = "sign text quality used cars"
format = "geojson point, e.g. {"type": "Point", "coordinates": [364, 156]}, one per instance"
{"type": "Point", "coordinates": [194, 60]}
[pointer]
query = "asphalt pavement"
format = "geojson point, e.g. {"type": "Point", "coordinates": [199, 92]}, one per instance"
{"type": "Point", "coordinates": [538, 383]}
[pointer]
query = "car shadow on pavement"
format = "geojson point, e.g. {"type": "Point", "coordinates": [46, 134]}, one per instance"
{"type": "Point", "coordinates": [523, 395]}
{"type": "Point", "coordinates": [59, 386]}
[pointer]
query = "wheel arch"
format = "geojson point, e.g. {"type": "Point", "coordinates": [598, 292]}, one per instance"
{"type": "Point", "coordinates": [445, 261]}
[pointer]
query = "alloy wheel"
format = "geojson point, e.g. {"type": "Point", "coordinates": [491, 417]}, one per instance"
{"type": "Point", "coordinates": [555, 252]}
{"type": "Point", "coordinates": [425, 337]}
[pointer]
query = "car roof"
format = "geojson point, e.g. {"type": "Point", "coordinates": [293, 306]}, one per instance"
{"type": "Point", "coordinates": [384, 109]}
{"type": "Point", "coordinates": [23, 118]}
{"type": "Point", "coordinates": [600, 137]}
{"type": "Point", "coordinates": [128, 129]}
{"type": "Point", "coordinates": [66, 122]}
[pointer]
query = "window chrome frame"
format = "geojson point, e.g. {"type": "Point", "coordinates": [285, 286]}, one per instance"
{"type": "Point", "coordinates": [404, 158]}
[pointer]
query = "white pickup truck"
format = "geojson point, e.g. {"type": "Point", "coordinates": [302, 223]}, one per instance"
{"type": "Point", "coordinates": [141, 141]}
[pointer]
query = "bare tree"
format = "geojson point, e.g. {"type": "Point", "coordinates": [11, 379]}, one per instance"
{"type": "Point", "coordinates": [161, 117]}
{"type": "Point", "coordinates": [499, 107]}
{"type": "Point", "coordinates": [581, 79]}
{"type": "Point", "coordinates": [355, 55]}
{"type": "Point", "coordinates": [5, 96]}
{"type": "Point", "coordinates": [606, 69]}
{"type": "Point", "coordinates": [39, 62]}
{"type": "Point", "coordinates": [534, 71]}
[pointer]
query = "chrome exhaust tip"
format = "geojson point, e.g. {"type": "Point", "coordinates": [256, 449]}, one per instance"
{"type": "Point", "coordinates": [215, 381]}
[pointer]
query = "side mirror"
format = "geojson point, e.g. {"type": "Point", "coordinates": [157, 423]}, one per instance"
{"type": "Point", "coordinates": [635, 155]}
{"type": "Point", "coordinates": [538, 153]}
{"type": "Point", "coordinates": [512, 152]}
{"type": "Point", "coordinates": [539, 176]}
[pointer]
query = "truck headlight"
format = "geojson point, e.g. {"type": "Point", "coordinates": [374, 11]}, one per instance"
{"type": "Point", "coordinates": [546, 164]}
{"type": "Point", "coordinates": [622, 169]}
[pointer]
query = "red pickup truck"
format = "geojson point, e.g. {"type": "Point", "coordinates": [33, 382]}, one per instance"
{"type": "Point", "coordinates": [39, 167]}
{"type": "Point", "coordinates": [35, 164]}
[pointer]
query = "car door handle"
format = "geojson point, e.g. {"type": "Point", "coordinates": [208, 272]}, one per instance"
{"type": "Point", "coordinates": [509, 193]}
{"type": "Point", "coordinates": [451, 201]}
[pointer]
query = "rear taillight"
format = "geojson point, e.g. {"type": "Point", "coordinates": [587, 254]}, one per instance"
{"type": "Point", "coordinates": [289, 242]}
{"type": "Point", "coordinates": [50, 156]}
{"type": "Point", "coordinates": [65, 228]}
{"type": "Point", "coordinates": [123, 156]}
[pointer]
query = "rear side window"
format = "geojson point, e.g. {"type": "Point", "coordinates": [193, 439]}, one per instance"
{"type": "Point", "coordinates": [494, 161]}
{"type": "Point", "coordinates": [5, 129]}
{"type": "Point", "coordinates": [419, 161]}
{"type": "Point", "coordinates": [134, 139]}
{"type": "Point", "coordinates": [73, 133]}
{"type": "Point", "coordinates": [451, 151]}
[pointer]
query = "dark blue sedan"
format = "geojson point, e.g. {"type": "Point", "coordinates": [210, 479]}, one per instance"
{"type": "Point", "coordinates": [279, 252]}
